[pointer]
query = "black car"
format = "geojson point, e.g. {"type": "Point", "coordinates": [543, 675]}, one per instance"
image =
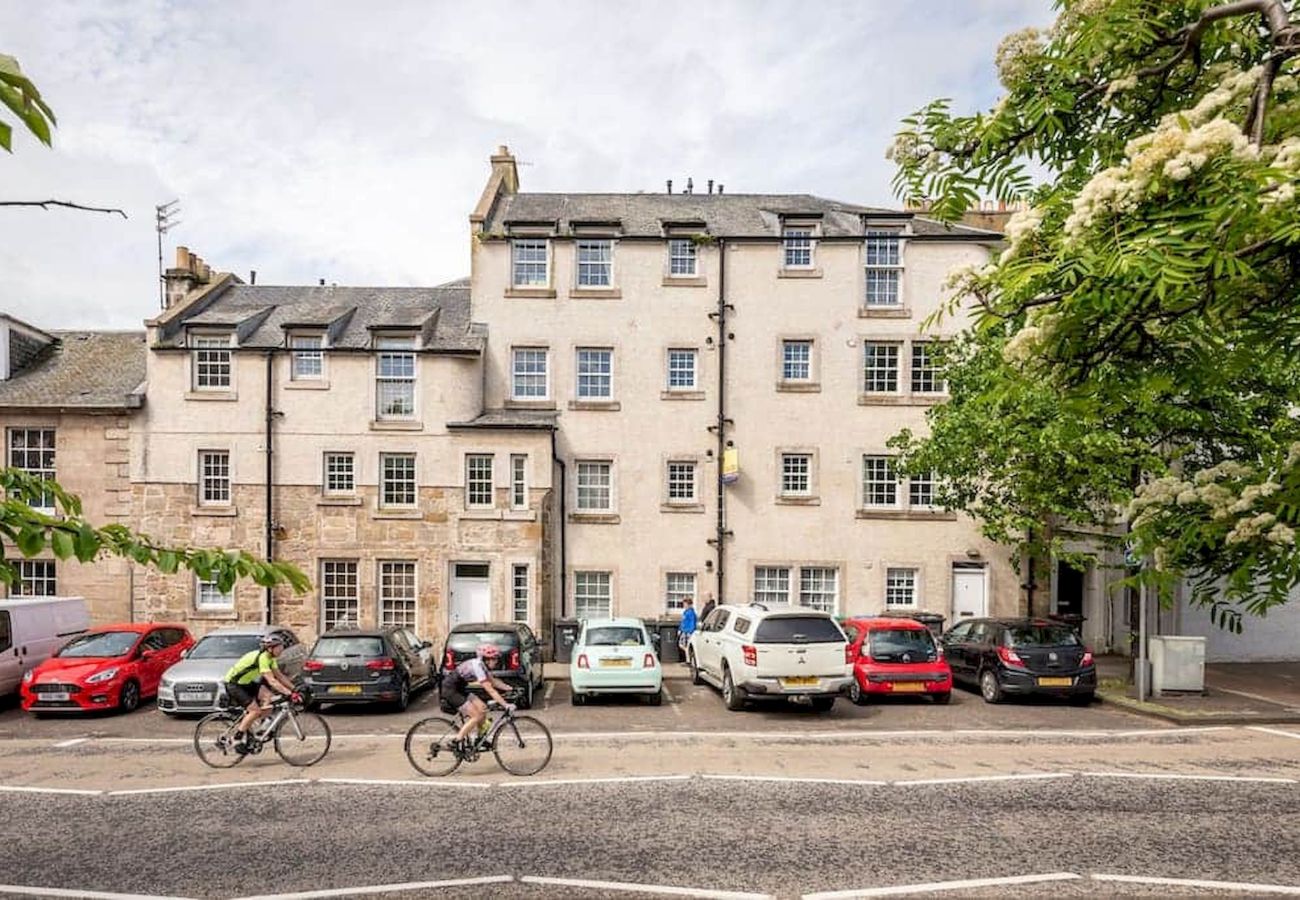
{"type": "Point", "coordinates": [1020, 656]}
{"type": "Point", "coordinates": [352, 665]}
{"type": "Point", "coordinates": [521, 656]}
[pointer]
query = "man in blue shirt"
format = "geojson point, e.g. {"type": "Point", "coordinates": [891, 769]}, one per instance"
{"type": "Point", "coordinates": [687, 626]}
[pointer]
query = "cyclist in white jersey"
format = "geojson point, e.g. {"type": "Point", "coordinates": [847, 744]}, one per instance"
{"type": "Point", "coordinates": [455, 689]}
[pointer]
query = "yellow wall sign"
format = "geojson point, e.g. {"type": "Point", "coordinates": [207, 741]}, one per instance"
{"type": "Point", "coordinates": [730, 465]}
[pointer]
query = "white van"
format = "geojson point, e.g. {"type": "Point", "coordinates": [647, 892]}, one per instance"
{"type": "Point", "coordinates": [31, 629]}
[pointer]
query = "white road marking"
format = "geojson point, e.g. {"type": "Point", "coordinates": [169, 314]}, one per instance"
{"type": "Point", "coordinates": [973, 779]}
{"type": "Point", "coordinates": [27, 891]}
{"type": "Point", "coordinates": [19, 789]}
{"type": "Point", "coordinates": [632, 887]}
{"type": "Point", "coordinates": [1163, 776]}
{"type": "Point", "coordinates": [1197, 883]}
{"type": "Point", "coordinates": [384, 888]}
{"type": "Point", "coordinates": [1277, 731]}
{"type": "Point", "coordinates": [406, 782]}
{"type": "Point", "coordinates": [793, 780]}
{"type": "Point", "coordinates": [866, 735]}
{"type": "Point", "coordinates": [938, 886]}
{"type": "Point", "coordinates": [546, 694]}
{"type": "Point", "coordinates": [72, 743]}
{"type": "Point", "coordinates": [207, 787]}
{"type": "Point", "coordinates": [569, 781]}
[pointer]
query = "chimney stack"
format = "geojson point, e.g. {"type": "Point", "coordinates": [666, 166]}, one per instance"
{"type": "Point", "coordinates": [719, 187]}
{"type": "Point", "coordinates": [252, 276]}
{"type": "Point", "coordinates": [504, 162]}
{"type": "Point", "coordinates": [690, 185]}
{"type": "Point", "coordinates": [710, 185]}
{"type": "Point", "coordinates": [670, 185]}
{"type": "Point", "coordinates": [189, 273]}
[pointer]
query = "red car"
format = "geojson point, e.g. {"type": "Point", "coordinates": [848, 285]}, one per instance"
{"type": "Point", "coordinates": [110, 667]}
{"type": "Point", "coordinates": [895, 656]}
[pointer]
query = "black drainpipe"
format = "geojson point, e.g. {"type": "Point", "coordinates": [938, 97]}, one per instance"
{"type": "Point", "coordinates": [720, 536]}
{"type": "Point", "coordinates": [270, 451]}
{"type": "Point", "coordinates": [564, 590]}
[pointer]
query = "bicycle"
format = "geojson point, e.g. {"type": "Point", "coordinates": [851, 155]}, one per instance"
{"type": "Point", "coordinates": [521, 744]}
{"type": "Point", "coordinates": [300, 738]}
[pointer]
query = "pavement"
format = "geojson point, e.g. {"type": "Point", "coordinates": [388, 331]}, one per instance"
{"type": "Point", "coordinates": [1235, 694]}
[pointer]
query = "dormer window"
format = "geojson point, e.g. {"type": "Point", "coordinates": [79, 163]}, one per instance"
{"type": "Point", "coordinates": [307, 357]}
{"type": "Point", "coordinates": [884, 268]}
{"type": "Point", "coordinates": [211, 361]}
{"type": "Point", "coordinates": [530, 262]}
{"type": "Point", "coordinates": [798, 239]}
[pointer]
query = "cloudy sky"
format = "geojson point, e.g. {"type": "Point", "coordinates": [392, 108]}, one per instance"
{"type": "Point", "coordinates": [349, 141]}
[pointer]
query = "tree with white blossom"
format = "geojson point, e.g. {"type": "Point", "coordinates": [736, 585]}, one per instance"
{"type": "Point", "coordinates": [1135, 356]}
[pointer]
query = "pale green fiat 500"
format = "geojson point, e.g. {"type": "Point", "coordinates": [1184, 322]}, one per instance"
{"type": "Point", "coordinates": [615, 656]}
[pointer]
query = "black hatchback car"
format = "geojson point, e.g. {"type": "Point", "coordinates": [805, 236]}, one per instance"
{"type": "Point", "coordinates": [521, 656]}
{"type": "Point", "coordinates": [1020, 656]}
{"type": "Point", "coordinates": [350, 665]}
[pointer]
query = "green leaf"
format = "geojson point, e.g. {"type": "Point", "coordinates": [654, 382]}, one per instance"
{"type": "Point", "coordinates": [62, 544]}
{"type": "Point", "coordinates": [31, 540]}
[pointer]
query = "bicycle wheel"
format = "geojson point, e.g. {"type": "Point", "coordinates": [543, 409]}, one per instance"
{"type": "Point", "coordinates": [428, 746]}
{"type": "Point", "coordinates": [522, 746]}
{"type": "Point", "coordinates": [302, 739]}
{"type": "Point", "coordinates": [214, 740]}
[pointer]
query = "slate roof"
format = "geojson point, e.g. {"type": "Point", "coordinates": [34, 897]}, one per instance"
{"type": "Point", "coordinates": [722, 215]}
{"type": "Point", "coordinates": [262, 315]}
{"type": "Point", "coordinates": [82, 370]}
{"type": "Point", "coordinates": [510, 418]}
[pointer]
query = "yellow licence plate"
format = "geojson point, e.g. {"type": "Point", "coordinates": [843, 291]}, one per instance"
{"type": "Point", "coordinates": [619, 663]}
{"type": "Point", "coordinates": [908, 687]}
{"type": "Point", "coordinates": [345, 688]}
{"type": "Point", "coordinates": [1055, 682]}
{"type": "Point", "coordinates": [801, 681]}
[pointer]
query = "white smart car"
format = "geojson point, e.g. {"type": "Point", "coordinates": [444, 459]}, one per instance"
{"type": "Point", "coordinates": [615, 656]}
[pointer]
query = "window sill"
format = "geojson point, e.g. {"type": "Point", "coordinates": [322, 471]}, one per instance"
{"type": "Point", "coordinates": [498, 515]}
{"type": "Point", "coordinates": [519, 515]}
{"type": "Point", "coordinates": [580, 293]}
{"type": "Point", "coordinates": [799, 273]}
{"type": "Point", "coordinates": [482, 513]}
{"type": "Point", "coordinates": [884, 312]}
{"type": "Point", "coordinates": [593, 518]}
{"type": "Point", "coordinates": [530, 404]}
{"type": "Point", "coordinates": [339, 501]}
{"type": "Point", "coordinates": [681, 395]}
{"type": "Point", "coordinates": [601, 405]}
{"type": "Point", "coordinates": [402, 513]}
{"type": "Point", "coordinates": [883, 400]}
{"type": "Point", "coordinates": [215, 615]}
{"type": "Point", "coordinates": [910, 515]}
{"type": "Point", "coordinates": [396, 425]}
{"type": "Point", "coordinates": [681, 507]}
{"type": "Point", "coordinates": [307, 385]}
{"type": "Point", "coordinates": [522, 293]}
{"type": "Point", "coordinates": [692, 281]}
{"type": "Point", "coordinates": [215, 512]}
{"type": "Point", "coordinates": [798, 387]}
{"type": "Point", "coordinates": [217, 396]}
{"type": "Point", "coordinates": [785, 500]}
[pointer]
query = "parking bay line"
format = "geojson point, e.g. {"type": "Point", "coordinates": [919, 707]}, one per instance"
{"type": "Point", "coordinates": [938, 886]}
{"type": "Point", "coordinates": [207, 787]}
{"type": "Point", "coordinates": [1276, 731]}
{"type": "Point", "coordinates": [72, 743]}
{"type": "Point", "coordinates": [1197, 883]}
{"type": "Point", "coordinates": [384, 888]}
{"type": "Point", "coordinates": [31, 891]}
{"type": "Point", "coordinates": [19, 789]}
{"type": "Point", "coordinates": [1171, 776]}
{"type": "Point", "coordinates": [381, 782]}
{"type": "Point", "coordinates": [789, 779]}
{"type": "Point", "coordinates": [632, 887]}
{"type": "Point", "coordinates": [577, 781]}
{"type": "Point", "coordinates": [974, 779]}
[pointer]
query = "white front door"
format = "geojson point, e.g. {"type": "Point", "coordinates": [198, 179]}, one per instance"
{"type": "Point", "coordinates": [471, 596]}
{"type": "Point", "coordinates": [969, 598]}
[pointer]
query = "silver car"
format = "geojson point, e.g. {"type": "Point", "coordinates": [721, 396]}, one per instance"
{"type": "Point", "coordinates": [196, 683]}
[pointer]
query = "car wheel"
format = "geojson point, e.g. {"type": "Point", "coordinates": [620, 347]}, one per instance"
{"type": "Point", "coordinates": [856, 694]}
{"type": "Point", "coordinates": [526, 701]}
{"type": "Point", "coordinates": [990, 688]}
{"type": "Point", "coordinates": [577, 699]}
{"type": "Point", "coordinates": [731, 694]}
{"type": "Point", "coordinates": [1082, 699]}
{"type": "Point", "coordinates": [403, 696]}
{"type": "Point", "coordinates": [695, 671]}
{"type": "Point", "coordinates": [657, 698]}
{"type": "Point", "coordinates": [943, 699]}
{"type": "Point", "coordinates": [129, 698]}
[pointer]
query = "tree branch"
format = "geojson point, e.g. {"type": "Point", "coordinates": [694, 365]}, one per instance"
{"type": "Point", "coordinates": [46, 204]}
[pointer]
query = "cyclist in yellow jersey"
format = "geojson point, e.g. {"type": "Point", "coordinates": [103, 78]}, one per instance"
{"type": "Point", "coordinates": [254, 679]}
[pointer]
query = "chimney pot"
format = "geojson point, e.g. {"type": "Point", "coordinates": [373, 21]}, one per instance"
{"type": "Point", "coordinates": [710, 185]}
{"type": "Point", "coordinates": [252, 276]}
{"type": "Point", "coordinates": [670, 185]}
{"type": "Point", "coordinates": [322, 282]}
{"type": "Point", "coordinates": [720, 186]}
{"type": "Point", "coordinates": [690, 185]}
{"type": "Point", "coordinates": [182, 257]}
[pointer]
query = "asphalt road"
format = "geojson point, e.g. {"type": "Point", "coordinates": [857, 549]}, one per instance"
{"type": "Point", "coordinates": [778, 839]}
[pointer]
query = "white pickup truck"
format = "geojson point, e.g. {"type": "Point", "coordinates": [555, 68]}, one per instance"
{"type": "Point", "coordinates": [771, 652]}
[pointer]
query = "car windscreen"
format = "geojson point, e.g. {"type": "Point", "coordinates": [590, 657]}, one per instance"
{"type": "Point", "coordinates": [105, 643]}
{"type": "Point", "coordinates": [893, 644]}
{"type": "Point", "coordinates": [798, 630]}
{"type": "Point", "coordinates": [352, 645]}
{"type": "Point", "coordinates": [469, 641]}
{"type": "Point", "coordinates": [1042, 635]}
{"type": "Point", "coordinates": [615, 636]}
{"type": "Point", "coordinates": [224, 646]}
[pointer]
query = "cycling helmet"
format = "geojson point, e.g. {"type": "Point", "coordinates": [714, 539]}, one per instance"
{"type": "Point", "coordinates": [488, 651]}
{"type": "Point", "coordinates": [267, 641]}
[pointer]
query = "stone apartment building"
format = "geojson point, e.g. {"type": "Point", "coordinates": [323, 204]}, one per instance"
{"type": "Point", "coordinates": [66, 402]}
{"type": "Point", "coordinates": [724, 371]}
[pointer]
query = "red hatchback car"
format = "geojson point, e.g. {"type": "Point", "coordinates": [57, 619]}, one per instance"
{"type": "Point", "coordinates": [895, 656]}
{"type": "Point", "coordinates": [110, 667]}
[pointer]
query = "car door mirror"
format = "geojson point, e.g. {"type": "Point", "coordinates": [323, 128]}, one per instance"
{"type": "Point", "coordinates": [146, 654]}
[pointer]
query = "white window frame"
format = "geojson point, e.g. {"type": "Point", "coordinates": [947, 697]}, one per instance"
{"type": "Point", "coordinates": [36, 578]}
{"type": "Point", "coordinates": [207, 596]}
{"type": "Point", "coordinates": [922, 370]}
{"type": "Point", "coordinates": [39, 461]}
{"type": "Point", "coordinates": [519, 481]}
{"type": "Point", "coordinates": [530, 355]}
{"type": "Point", "coordinates": [480, 493]}
{"type": "Point", "coordinates": [384, 481]}
{"type": "Point", "coordinates": [520, 592]}
{"type": "Point", "coordinates": [329, 471]}
{"type": "Point", "coordinates": [596, 366]}
{"type": "Point", "coordinates": [212, 361]}
{"type": "Point", "coordinates": [790, 366]}
{"type": "Point", "coordinates": [901, 581]}
{"type": "Point", "coordinates": [529, 246]}
{"type": "Point", "coordinates": [398, 593]}
{"type": "Point", "coordinates": [791, 462]}
{"type": "Point", "coordinates": [596, 270]}
{"type": "Point", "coordinates": [593, 586]}
{"type": "Point", "coordinates": [771, 584]}
{"type": "Point", "coordinates": [681, 354]}
{"type": "Point", "coordinates": [336, 576]}
{"type": "Point", "coordinates": [676, 483]}
{"type": "Point", "coordinates": [817, 583]}
{"type": "Point", "coordinates": [306, 357]}
{"type": "Point", "coordinates": [880, 365]}
{"type": "Point", "coordinates": [591, 470]}
{"type": "Point", "coordinates": [396, 370]}
{"type": "Point", "coordinates": [877, 491]}
{"type": "Point", "coordinates": [677, 587]}
{"type": "Point", "coordinates": [882, 264]}
{"type": "Point", "coordinates": [683, 258]}
{"type": "Point", "coordinates": [798, 239]}
{"type": "Point", "coordinates": [212, 483]}
{"type": "Point", "coordinates": [920, 491]}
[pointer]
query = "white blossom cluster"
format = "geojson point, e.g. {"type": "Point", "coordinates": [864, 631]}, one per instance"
{"type": "Point", "coordinates": [1027, 343]}
{"type": "Point", "coordinates": [1016, 53]}
{"type": "Point", "coordinates": [1285, 157]}
{"type": "Point", "coordinates": [1023, 225]}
